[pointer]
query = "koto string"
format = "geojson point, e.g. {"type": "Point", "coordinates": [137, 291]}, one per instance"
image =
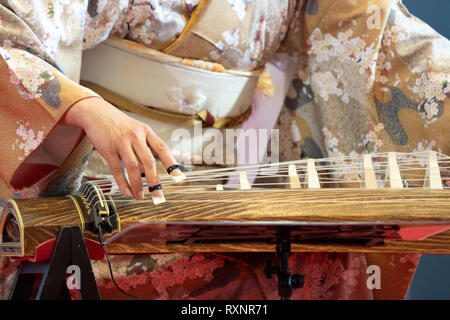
{"type": "Point", "coordinates": [256, 168]}
{"type": "Point", "coordinates": [337, 171]}
{"type": "Point", "coordinates": [332, 166]}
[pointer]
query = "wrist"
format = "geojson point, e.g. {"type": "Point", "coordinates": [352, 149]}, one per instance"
{"type": "Point", "coordinates": [79, 112]}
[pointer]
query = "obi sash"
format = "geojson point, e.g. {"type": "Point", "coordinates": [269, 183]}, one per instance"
{"type": "Point", "coordinates": [168, 92]}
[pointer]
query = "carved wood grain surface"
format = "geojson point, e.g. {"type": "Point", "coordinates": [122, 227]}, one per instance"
{"type": "Point", "coordinates": [43, 217]}
{"type": "Point", "coordinates": [311, 206]}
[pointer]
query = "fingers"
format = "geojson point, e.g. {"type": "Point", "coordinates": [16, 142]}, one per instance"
{"type": "Point", "coordinates": [116, 169]}
{"type": "Point", "coordinates": [134, 148]}
{"type": "Point", "coordinates": [149, 165]}
{"type": "Point", "coordinates": [133, 167]}
{"type": "Point", "coordinates": [162, 150]}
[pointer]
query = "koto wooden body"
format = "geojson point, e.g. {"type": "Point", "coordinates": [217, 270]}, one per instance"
{"type": "Point", "coordinates": [40, 219]}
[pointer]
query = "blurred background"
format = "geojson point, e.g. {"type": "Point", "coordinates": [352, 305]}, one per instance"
{"type": "Point", "coordinates": [432, 278]}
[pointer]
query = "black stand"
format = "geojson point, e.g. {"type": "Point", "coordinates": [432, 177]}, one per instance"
{"type": "Point", "coordinates": [286, 281]}
{"type": "Point", "coordinates": [70, 249]}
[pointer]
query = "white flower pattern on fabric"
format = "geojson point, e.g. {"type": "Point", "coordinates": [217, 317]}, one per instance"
{"type": "Point", "coordinates": [431, 86]}
{"type": "Point", "coordinates": [394, 35]}
{"type": "Point", "coordinates": [22, 90]}
{"type": "Point", "coordinates": [325, 47]}
{"type": "Point", "coordinates": [186, 100]}
{"type": "Point", "coordinates": [331, 142]}
{"type": "Point", "coordinates": [334, 59]}
{"type": "Point", "coordinates": [249, 47]}
{"type": "Point", "coordinates": [425, 146]}
{"type": "Point", "coordinates": [296, 135]}
{"type": "Point", "coordinates": [152, 23]}
{"type": "Point", "coordinates": [29, 70]}
{"type": "Point", "coordinates": [422, 146]}
{"type": "Point", "coordinates": [240, 7]}
{"type": "Point", "coordinates": [56, 22]}
{"type": "Point", "coordinates": [326, 84]}
{"type": "Point", "coordinates": [191, 4]}
{"type": "Point", "coordinates": [231, 37]}
{"type": "Point", "coordinates": [27, 140]}
{"type": "Point", "coordinates": [103, 21]}
{"type": "Point", "coordinates": [371, 140]}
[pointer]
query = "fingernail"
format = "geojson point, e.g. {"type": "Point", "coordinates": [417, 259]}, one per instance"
{"type": "Point", "coordinates": [177, 175]}
{"type": "Point", "coordinates": [158, 197]}
{"type": "Point", "coordinates": [141, 195]}
{"type": "Point", "coordinates": [127, 192]}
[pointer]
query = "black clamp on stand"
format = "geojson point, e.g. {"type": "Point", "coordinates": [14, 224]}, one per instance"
{"type": "Point", "coordinates": [286, 281]}
{"type": "Point", "coordinates": [101, 224]}
{"type": "Point", "coordinates": [70, 250]}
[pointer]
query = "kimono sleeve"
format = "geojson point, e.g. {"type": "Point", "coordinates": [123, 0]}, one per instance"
{"type": "Point", "coordinates": [34, 97]}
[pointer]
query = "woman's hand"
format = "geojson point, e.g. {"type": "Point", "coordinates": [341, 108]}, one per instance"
{"type": "Point", "coordinates": [118, 137]}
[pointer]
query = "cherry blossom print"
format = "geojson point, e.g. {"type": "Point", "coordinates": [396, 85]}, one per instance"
{"type": "Point", "coordinates": [432, 87]}
{"type": "Point", "coordinates": [240, 7]}
{"type": "Point", "coordinates": [24, 93]}
{"type": "Point", "coordinates": [32, 72]}
{"type": "Point", "coordinates": [27, 139]}
{"type": "Point", "coordinates": [186, 100]}
{"type": "Point", "coordinates": [344, 47]}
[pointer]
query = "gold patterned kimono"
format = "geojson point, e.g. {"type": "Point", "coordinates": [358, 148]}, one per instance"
{"type": "Point", "coordinates": [370, 77]}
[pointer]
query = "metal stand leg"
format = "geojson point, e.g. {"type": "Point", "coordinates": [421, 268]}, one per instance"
{"type": "Point", "coordinates": [286, 281]}
{"type": "Point", "coordinates": [70, 250]}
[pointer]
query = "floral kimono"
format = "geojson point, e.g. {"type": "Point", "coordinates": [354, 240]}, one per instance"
{"type": "Point", "coordinates": [369, 77]}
